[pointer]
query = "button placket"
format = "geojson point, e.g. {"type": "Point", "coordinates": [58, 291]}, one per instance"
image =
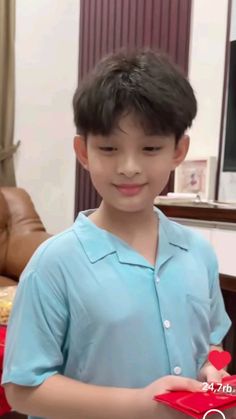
{"type": "Point", "coordinates": [167, 324]}
{"type": "Point", "coordinates": [157, 279]}
{"type": "Point", "coordinates": [177, 370]}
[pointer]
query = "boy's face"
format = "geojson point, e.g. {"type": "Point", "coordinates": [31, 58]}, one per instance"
{"type": "Point", "coordinates": [129, 168]}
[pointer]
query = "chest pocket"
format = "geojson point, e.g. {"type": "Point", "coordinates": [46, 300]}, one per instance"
{"type": "Point", "coordinates": [198, 312]}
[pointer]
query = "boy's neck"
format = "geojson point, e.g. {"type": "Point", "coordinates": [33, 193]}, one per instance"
{"type": "Point", "coordinates": [128, 224]}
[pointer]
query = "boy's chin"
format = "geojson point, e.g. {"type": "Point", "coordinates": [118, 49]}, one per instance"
{"type": "Point", "coordinates": [130, 207]}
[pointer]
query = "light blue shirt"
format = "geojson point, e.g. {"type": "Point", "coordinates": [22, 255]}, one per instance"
{"type": "Point", "coordinates": [90, 307]}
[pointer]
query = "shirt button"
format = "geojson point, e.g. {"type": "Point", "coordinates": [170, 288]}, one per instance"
{"type": "Point", "coordinates": [177, 370]}
{"type": "Point", "coordinates": [167, 324]}
{"type": "Point", "coordinates": [157, 279]}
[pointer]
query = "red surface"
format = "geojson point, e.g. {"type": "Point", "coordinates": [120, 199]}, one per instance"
{"type": "Point", "coordinates": [4, 406]}
{"type": "Point", "coordinates": [196, 404]}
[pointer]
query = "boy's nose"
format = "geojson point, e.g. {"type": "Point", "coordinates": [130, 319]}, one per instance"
{"type": "Point", "coordinates": [128, 166]}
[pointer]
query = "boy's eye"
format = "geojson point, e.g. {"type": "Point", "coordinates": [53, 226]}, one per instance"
{"type": "Point", "coordinates": [106, 148]}
{"type": "Point", "coordinates": [152, 148]}
{"type": "Point", "coordinates": [149, 149]}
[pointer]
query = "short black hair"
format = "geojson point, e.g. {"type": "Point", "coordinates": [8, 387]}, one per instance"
{"type": "Point", "coordinates": [143, 82]}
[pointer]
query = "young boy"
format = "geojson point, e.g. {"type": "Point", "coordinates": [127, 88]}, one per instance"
{"type": "Point", "coordinates": [125, 304]}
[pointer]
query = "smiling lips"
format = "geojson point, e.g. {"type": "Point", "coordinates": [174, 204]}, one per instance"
{"type": "Point", "coordinates": [129, 190]}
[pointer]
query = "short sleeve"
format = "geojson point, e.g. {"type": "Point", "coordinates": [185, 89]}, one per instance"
{"type": "Point", "coordinates": [36, 331]}
{"type": "Point", "coordinates": [219, 322]}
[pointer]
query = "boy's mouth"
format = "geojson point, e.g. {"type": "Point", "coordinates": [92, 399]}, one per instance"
{"type": "Point", "coordinates": [130, 185]}
{"type": "Point", "coordinates": [129, 189]}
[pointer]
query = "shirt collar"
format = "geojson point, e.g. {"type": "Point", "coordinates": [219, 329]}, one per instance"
{"type": "Point", "coordinates": [171, 236]}
{"type": "Point", "coordinates": [98, 243]}
{"type": "Point", "coordinates": [95, 240]}
{"type": "Point", "coordinates": [174, 232]}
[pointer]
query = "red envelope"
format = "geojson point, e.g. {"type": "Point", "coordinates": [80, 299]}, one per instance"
{"type": "Point", "coordinates": [195, 404]}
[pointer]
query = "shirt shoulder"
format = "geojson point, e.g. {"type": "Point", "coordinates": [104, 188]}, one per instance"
{"type": "Point", "coordinates": [57, 250]}
{"type": "Point", "coordinates": [191, 240]}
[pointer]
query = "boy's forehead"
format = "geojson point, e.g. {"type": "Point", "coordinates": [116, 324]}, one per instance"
{"type": "Point", "coordinates": [137, 136]}
{"type": "Point", "coordinates": [129, 123]}
{"type": "Point", "coordinates": [126, 126]}
{"type": "Point", "coordinates": [130, 127]}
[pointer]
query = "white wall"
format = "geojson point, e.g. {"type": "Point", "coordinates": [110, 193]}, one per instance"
{"type": "Point", "coordinates": [46, 77]}
{"type": "Point", "coordinates": [233, 21]}
{"type": "Point", "coordinates": [206, 73]}
{"type": "Point", "coordinates": [227, 184]}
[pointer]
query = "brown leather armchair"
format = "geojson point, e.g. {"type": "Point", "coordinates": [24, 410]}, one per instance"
{"type": "Point", "coordinates": [21, 232]}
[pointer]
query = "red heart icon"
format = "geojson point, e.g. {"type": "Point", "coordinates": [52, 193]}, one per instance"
{"type": "Point", "coordinates": [219, 359]}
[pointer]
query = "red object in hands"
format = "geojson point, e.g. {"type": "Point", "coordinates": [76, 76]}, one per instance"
{"type": "Point", "coordinates": [196, 404]}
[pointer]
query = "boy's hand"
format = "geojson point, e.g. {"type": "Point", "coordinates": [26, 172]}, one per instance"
{"type": "Point", "coordinates": [208, 373]}
{"type": "Point", "coordinates": [173, 383]}
{"type": "Point", "coordinates": [150, 409]}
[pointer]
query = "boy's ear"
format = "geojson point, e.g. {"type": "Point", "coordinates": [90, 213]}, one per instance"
{"type": "Point", "coordinates": [181, 151]}
{"type": "Point", "coordinates": [80, 148]}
